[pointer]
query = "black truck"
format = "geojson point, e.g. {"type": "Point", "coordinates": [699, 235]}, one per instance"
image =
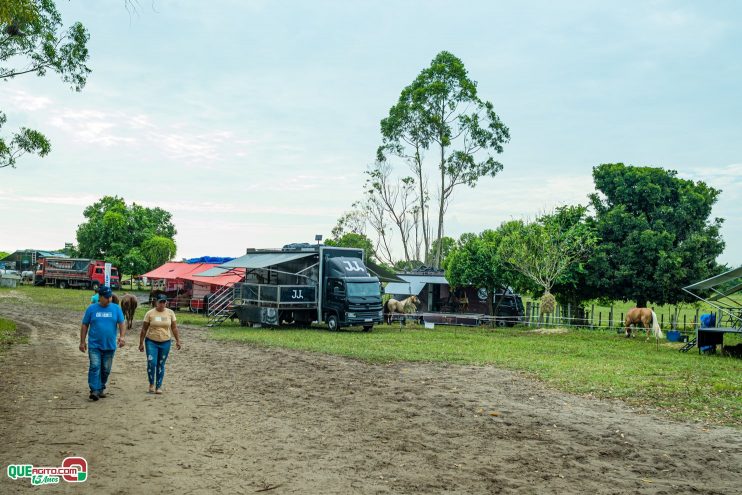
{"type": "Point", "coordinates": [302, 283]}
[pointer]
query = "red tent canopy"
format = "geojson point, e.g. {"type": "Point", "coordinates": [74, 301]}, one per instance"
{"type": "Point", "coordinates": [177, 269]}
{"type": "Point", "coordinates": [225, 279]}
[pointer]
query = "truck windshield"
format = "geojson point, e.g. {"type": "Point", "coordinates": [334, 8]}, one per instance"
{"type": "Point", "coordinates": [363, 289]}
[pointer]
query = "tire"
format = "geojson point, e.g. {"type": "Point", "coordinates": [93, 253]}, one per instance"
{"type": "Point", "coordinates": [332, 323]}
{"type": "Point", "coordinates": [95, 285]}
{"type": "Point", "coordinates": [62, 284]}
{"type": "Point", "coordinates": [500, 322]}
{"type": "Point", "coordinates": [368, 328]}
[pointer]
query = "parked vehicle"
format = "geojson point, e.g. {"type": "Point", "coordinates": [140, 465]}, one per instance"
{"type": "Point", "coordinates": [508, 308]}
{"type": "Point", "coordinates": [74, 272]}
{"type": "Point", "coordinates": [302, 284]}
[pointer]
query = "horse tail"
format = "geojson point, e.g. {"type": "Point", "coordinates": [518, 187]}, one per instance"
{"type": "Point", "coordinates": [656, 326]}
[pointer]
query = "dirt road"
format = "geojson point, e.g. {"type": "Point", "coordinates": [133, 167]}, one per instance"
{"type": "Point", "coordinates": [240, 419]}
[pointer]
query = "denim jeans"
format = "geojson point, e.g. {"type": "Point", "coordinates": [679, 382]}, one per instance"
{"type": "Point", "coordinates": [100, 367]}
{"type": "Point", "coordinates": [156, 356]}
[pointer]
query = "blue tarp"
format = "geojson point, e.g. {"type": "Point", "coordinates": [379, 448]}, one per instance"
{"type": "Point", "coordinates": [209, 259]}
{"type": "Point", "coordinates": [708, 320]}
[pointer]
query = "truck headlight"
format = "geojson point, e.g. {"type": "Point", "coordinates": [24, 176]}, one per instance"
{"type": "Point", "coordinates": [381, 313]}
{"type": "Point", "coordinates": [350, 315]}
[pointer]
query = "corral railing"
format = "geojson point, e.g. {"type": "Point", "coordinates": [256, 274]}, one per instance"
{"type": "Point", "coordinates": [589, 317]}
{"type": "Point", "coordinates": [672, 318]}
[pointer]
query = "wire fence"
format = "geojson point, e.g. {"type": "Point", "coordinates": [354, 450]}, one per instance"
{"type": "Point", "coordinates": [565, 315]}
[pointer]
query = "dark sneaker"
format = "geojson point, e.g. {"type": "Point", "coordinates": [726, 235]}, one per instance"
{"type": "Point", "coordinates": [102, 395]}
{"type": "Point", "coordinates": [94, 396]}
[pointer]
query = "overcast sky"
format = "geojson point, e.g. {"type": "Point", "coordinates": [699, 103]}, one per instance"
{"type": "Point", "coordinates": [252, 122]}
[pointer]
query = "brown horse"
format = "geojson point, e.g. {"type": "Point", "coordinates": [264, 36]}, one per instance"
{"type": "Point", "coordinates": [644, 316]}
{"type": "Point", "coordinates": [129, 305]}
{"type": "Point", "coordinates": [393, 306]}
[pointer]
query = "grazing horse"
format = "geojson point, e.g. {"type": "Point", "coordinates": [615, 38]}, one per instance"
{"type": "Point", "coordinates": [129, 306]}
{"type": "Point", "coordinates": [644, 316]}
{"type": "Point", "coordinates": [393, 306]}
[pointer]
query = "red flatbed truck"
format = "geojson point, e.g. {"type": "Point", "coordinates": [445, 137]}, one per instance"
{"type": "Point", "coordinates": [74, 272]}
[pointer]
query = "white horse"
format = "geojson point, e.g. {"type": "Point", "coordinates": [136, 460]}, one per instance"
{"type": "Point", "coordinates": [393, 306]}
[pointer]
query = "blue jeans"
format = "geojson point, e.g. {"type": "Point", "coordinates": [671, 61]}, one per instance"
{"type": "Point", "coordinates": [156, 356]}
{"type": "Point", "coordinates": [100, 367]}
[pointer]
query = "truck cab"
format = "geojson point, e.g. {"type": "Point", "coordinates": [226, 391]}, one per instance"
{"type": "Point", "coordinates": [350, 296]}
{"type": "Point", "coordinates": [508, 308]}
{"type": "Point", "coordinates": [351, 301]}
{"type": "Point", "coordinates": [98, 277]}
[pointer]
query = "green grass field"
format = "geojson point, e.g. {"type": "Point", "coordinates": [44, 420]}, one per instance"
{"type": "Point", "coordinates": [597, 363]}
{"type": "Point", "coordinates": [8, 334]}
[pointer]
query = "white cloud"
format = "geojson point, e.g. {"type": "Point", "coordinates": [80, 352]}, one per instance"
{"type": "Point", "coordinates": [90, 126]}
{"type": "Point", "coordinates": [22, 100]}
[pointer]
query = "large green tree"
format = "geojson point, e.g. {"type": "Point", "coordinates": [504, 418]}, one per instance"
{"type": "Point", "coordinates": [544, 250]}
{"type": "Point", "coordinates": [572, 286]}
{"type": "Point", "coordinates": [475, 260]}
{"type": "Point", "coordinates": [132, 237]}
{"type": "Point", "coordinates": [354, 240]}
{"type": "Point", "coordinates": [447, 245]}
{"type": "Point", "coordinates": [442, 112]}
{"type": "Point", "coordinates": [33, 41]}
{"type": "Point", "coordinates": [656, 232]}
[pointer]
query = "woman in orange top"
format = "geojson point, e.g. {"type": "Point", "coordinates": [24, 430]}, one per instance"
{"type": "Point", "coordinates": [157, 331]}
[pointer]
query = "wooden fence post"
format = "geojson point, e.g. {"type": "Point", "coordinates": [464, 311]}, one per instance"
{"type": "Point", "coordinates": [662, 320]}
{"type": "Point", "coordinates": [592, 314]}
{"type": "Point", "coordinates": [600, 318]}
{"type": "Point", "coordinates": [569, 314]}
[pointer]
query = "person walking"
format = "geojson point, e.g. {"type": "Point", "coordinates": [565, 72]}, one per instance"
{"type": "Point", "coordinates": [157, 331]}
{"type": "Point", "coordinates": [99, 325]}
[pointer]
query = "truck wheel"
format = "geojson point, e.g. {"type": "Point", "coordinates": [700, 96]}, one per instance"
{"type": "Point", "coordinates": [62, 284]}
{"type": "Point", "coordinates": [368, 328]}
{"type": "Point", "coordinates": [332, 323]}
{"type": "Point", "coordinates": [95, 285]}
{"type": "Point", "coordinates": [501, 323]}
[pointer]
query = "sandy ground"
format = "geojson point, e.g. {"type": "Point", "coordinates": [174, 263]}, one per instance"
{"type": "Point", "coordinates": [241, 419]}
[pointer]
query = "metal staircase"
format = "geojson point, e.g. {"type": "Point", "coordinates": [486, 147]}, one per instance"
{"type": "Point", "coordinates": [688, 345]}
{"type": "Point", "coordinates": [220, 306]}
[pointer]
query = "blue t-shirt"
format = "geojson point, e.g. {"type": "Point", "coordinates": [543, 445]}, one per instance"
{"type": "Point", "coordinates": [103, 323]}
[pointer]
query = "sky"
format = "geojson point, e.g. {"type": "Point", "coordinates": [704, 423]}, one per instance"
{"type": "Point", "coordinates": [253, 121]}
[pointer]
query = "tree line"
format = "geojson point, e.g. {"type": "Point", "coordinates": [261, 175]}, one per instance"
{"type": "Point", "coordinates": [643, 235]}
